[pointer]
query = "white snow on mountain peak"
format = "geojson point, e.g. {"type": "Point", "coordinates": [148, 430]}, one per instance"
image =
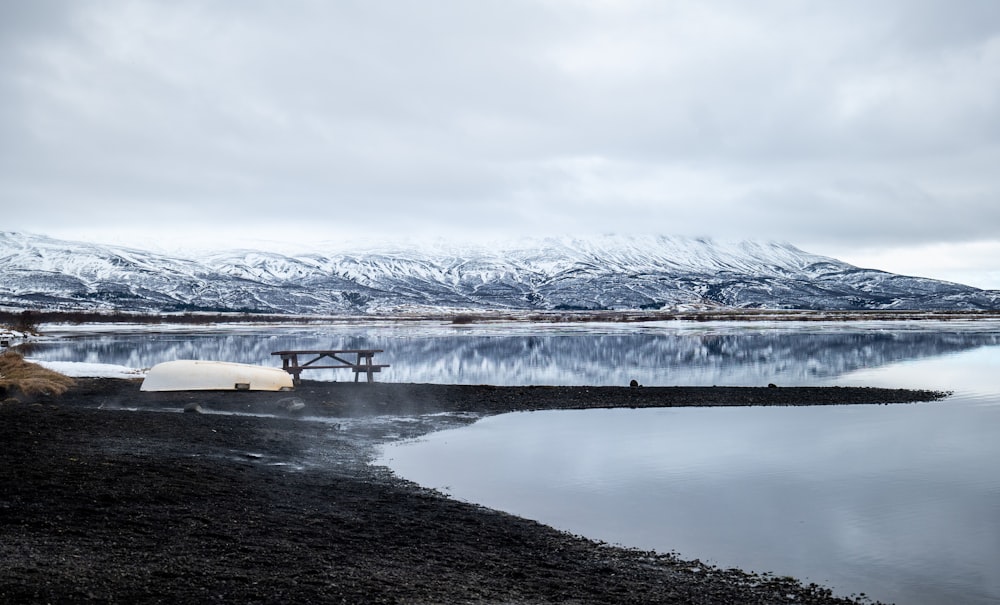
{"type": "Point", "coordinates": [600, 272]}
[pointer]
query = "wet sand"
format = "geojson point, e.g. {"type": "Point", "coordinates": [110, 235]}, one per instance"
{"type": "Point", "coordinates": [110, 495]}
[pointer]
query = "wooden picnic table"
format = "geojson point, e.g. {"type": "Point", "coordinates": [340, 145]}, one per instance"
{"type": "Point", "coordinates": [359, 360]}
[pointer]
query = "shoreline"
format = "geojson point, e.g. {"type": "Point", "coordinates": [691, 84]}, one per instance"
{"type": "Point", "coordinates": [112, 496]}
{"type": "Point", "coordinates": [40, 321]}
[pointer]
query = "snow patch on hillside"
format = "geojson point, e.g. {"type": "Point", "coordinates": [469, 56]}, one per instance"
{"type": "Point", "coordinates": [561, 274]}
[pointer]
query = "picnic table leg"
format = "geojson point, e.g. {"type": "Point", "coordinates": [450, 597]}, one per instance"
{"type": "Point", "coordinates": [367, 365]}
{"type": "Point", "coordinates": [291, 365]}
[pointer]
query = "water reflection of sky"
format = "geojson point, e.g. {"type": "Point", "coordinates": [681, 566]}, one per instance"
{"type": "Point", "coordinates": [972, 372]}
{"type": "Point", "coordinates": [900, 501]}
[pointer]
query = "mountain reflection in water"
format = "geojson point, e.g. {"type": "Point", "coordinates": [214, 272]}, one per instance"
{"type": "Point", "coordinates": [671, 353]}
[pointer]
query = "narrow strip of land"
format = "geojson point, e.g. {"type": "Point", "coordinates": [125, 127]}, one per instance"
{"type": "Point", "coordinates": [349, 399]}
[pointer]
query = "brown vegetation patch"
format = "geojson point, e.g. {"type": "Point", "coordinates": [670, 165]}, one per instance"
{"type": "Point", "coordinates": [20, 376]}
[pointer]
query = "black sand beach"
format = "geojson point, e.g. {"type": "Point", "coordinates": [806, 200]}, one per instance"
{"type": "Point", "coordinates": [110, 495]}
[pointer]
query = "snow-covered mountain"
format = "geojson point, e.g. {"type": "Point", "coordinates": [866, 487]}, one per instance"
{"type": "Point", "coordinates": [611, 272]}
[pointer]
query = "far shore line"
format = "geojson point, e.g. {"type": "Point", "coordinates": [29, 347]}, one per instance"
{"type": "Point", "coordinates": [39, 320]}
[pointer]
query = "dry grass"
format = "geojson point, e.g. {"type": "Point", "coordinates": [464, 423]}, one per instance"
{"type": "Point", "coordinates": [16, 374]}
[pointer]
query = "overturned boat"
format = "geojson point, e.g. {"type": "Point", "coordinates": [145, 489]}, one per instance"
{"type": "Point", "coordinates": [192, 375]}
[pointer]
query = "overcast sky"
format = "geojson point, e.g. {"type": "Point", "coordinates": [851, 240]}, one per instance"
{"type": "Point", "coordinates": [869, 131]}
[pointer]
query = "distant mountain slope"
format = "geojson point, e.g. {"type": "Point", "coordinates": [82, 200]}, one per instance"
{"type": "Point", "coordinates": [611, 272]}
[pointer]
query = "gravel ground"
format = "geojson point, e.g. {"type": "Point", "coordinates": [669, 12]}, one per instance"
{"type": "Point", "coordinates": [110, 495]}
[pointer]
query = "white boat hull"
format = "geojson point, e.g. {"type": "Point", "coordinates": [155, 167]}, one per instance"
{"type": "Point", "coordinates": [191, 375]}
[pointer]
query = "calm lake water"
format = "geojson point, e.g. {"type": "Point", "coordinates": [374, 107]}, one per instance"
{"type": "Point", "coordinates": [900, 502]}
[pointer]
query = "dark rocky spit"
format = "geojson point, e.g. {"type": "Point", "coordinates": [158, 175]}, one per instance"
{"type": "Point", "coordinates": [112, 495]}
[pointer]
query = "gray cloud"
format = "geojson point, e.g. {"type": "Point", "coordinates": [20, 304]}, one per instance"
{"type": "Point", "coordinates": [844, 123]}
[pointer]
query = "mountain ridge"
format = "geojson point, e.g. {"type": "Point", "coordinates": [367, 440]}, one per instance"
{"type": "Point", "coordinates": [598, 273]}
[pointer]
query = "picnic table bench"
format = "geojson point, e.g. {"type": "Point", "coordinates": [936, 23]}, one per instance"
{"type": "Point", "coordinates": [359, 360]}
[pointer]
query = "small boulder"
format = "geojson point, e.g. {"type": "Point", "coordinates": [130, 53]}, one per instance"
{"type": "Point", "coordinates": [291, 405]}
